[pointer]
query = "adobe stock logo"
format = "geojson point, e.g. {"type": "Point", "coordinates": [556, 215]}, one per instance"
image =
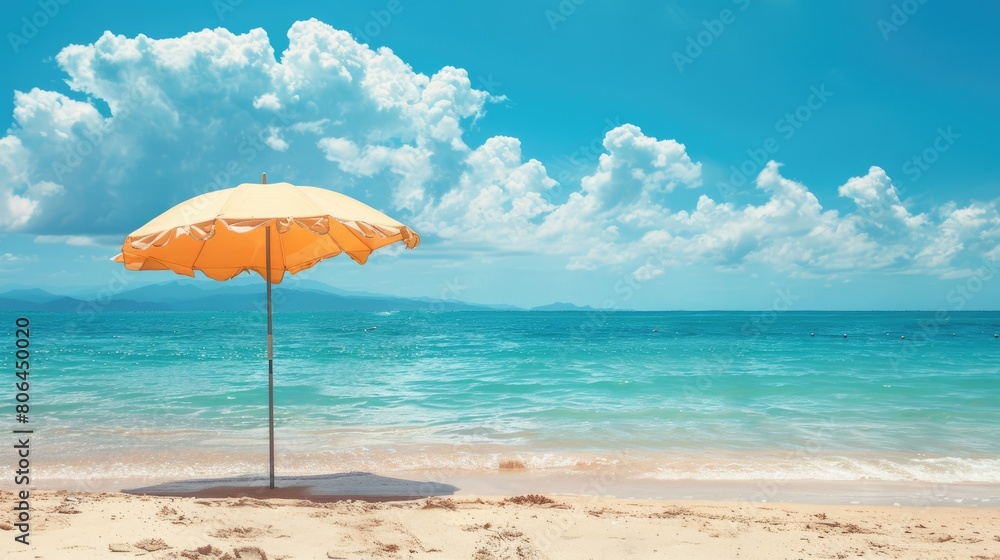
{"type": "Point", "coordinates": [696, 44]}
{"type": "Point", "coordinates": [916, 166]}
{"type": "Point", "coordinates": [899, 17]}
{"type": "Point", "coordinates": [31, 25]}
{"type": "Point", "coordinates": [563, 11]}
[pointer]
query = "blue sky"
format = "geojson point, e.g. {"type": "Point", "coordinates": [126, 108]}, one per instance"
{"type": "Point", "coordinates": [645, 155]}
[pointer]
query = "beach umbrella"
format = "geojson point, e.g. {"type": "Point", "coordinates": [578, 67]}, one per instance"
{"type": "Point", "coordinates": [267, 229]}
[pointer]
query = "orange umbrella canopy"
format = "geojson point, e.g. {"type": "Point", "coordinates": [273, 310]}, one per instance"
{"type": "Point", "coordinates": [222, 233]}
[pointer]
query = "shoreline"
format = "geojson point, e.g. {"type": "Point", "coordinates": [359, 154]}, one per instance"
{"type": "Point", "coordinates": [113, 468]}
{"type": "Point", "coordinates": [602, 483]}
{"type": "Point", "coordinates": [95, 524]}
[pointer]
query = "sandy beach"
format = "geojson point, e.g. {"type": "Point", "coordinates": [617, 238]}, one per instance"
{"type": "Point", "coordinates": [114, 525]}
{"type": "Point", "coordinates": [389, 279]}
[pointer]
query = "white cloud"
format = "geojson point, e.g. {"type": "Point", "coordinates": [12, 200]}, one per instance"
{"type": "Point", "coordinates": [311, 127]}
{"type": "Point", "coordinates": [790, 232]}
{"type": "Point", "coordinates": [16, 210]}
{"type": "Point", "coordinates": [44, 189]}
{"type": "Point", "coordinates": [340, 150]}
{"type": "Point", "coordinates": [19, 196]}
{"type": "Point", "coordinates": [647, 272]}
{"type": "Point", "coordinates": [72, 240]}
{"type": "Point", "coordinates": [275, 141]}
{"type": "Point", "coordinates": [267, 101]}
{"type": "Point", "coordinates": [212, 109]}
{"type": "Point", "coordinates": [636, 173]}
{"type": "Point", "coordinates": [963, 237]}
{"type": "Point", "coordinates": [878, 203]}
{"type": "Point", "coordinates": [628, 192]}
{"type": "Point", "coordinates": [497, 200]}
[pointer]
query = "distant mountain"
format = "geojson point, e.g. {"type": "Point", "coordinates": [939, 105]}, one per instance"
{"type": "Point", "coordinates": [193, 295]}
{"type": "Point", "coordinates": [295, 283]}
{"type": "Point", "coordinates": [165, 292]}
{"type": "Point", "coordinates": [562, 306]}
{"type": "Point", "coordinates": [186, 295]}
{"type": "Point", "coordinates": [32, 295]}
{"type": "Point", "coordinates": [62, 304]}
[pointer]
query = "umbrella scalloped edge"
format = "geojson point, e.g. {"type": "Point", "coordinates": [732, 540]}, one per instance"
{"type": "Point", "coordinates": [135, 255]}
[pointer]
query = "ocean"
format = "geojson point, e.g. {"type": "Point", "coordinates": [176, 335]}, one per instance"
{"type": "Point", "coordinates": [654, 397]}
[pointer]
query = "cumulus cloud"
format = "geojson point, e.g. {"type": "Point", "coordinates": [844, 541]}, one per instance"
{"type": "Point", "coordinates": [790, 232]}
{"type": "Point", "coordinates": [625, 196]}
{"type": "Point", "coordinates": [267, 101]}
{"type": "Point", "coordinates": [958, 240]}
{"type": "Point", "coordinates": [497, 200]}
{"type": "Point", "coordinates": [212, 109]}
{"type": "Point", "coordinates": [274, 140]}
{"type": "Point", "coordinates": [878, 205]}
{"type": "Point", "coordinates": [72, 240]}
{"type": "Point", "coordinates": [647, 272]}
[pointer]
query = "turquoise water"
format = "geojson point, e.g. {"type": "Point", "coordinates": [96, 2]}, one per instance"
{"type": "Point", "coordinates": [667, 396]}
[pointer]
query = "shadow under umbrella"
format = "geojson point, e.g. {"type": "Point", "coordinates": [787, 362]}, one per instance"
{"type": "Point", "coordinates": [316, 488]}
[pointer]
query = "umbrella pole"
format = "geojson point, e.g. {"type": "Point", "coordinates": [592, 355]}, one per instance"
{"type": "Point", "coordinates": [270, 351]}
